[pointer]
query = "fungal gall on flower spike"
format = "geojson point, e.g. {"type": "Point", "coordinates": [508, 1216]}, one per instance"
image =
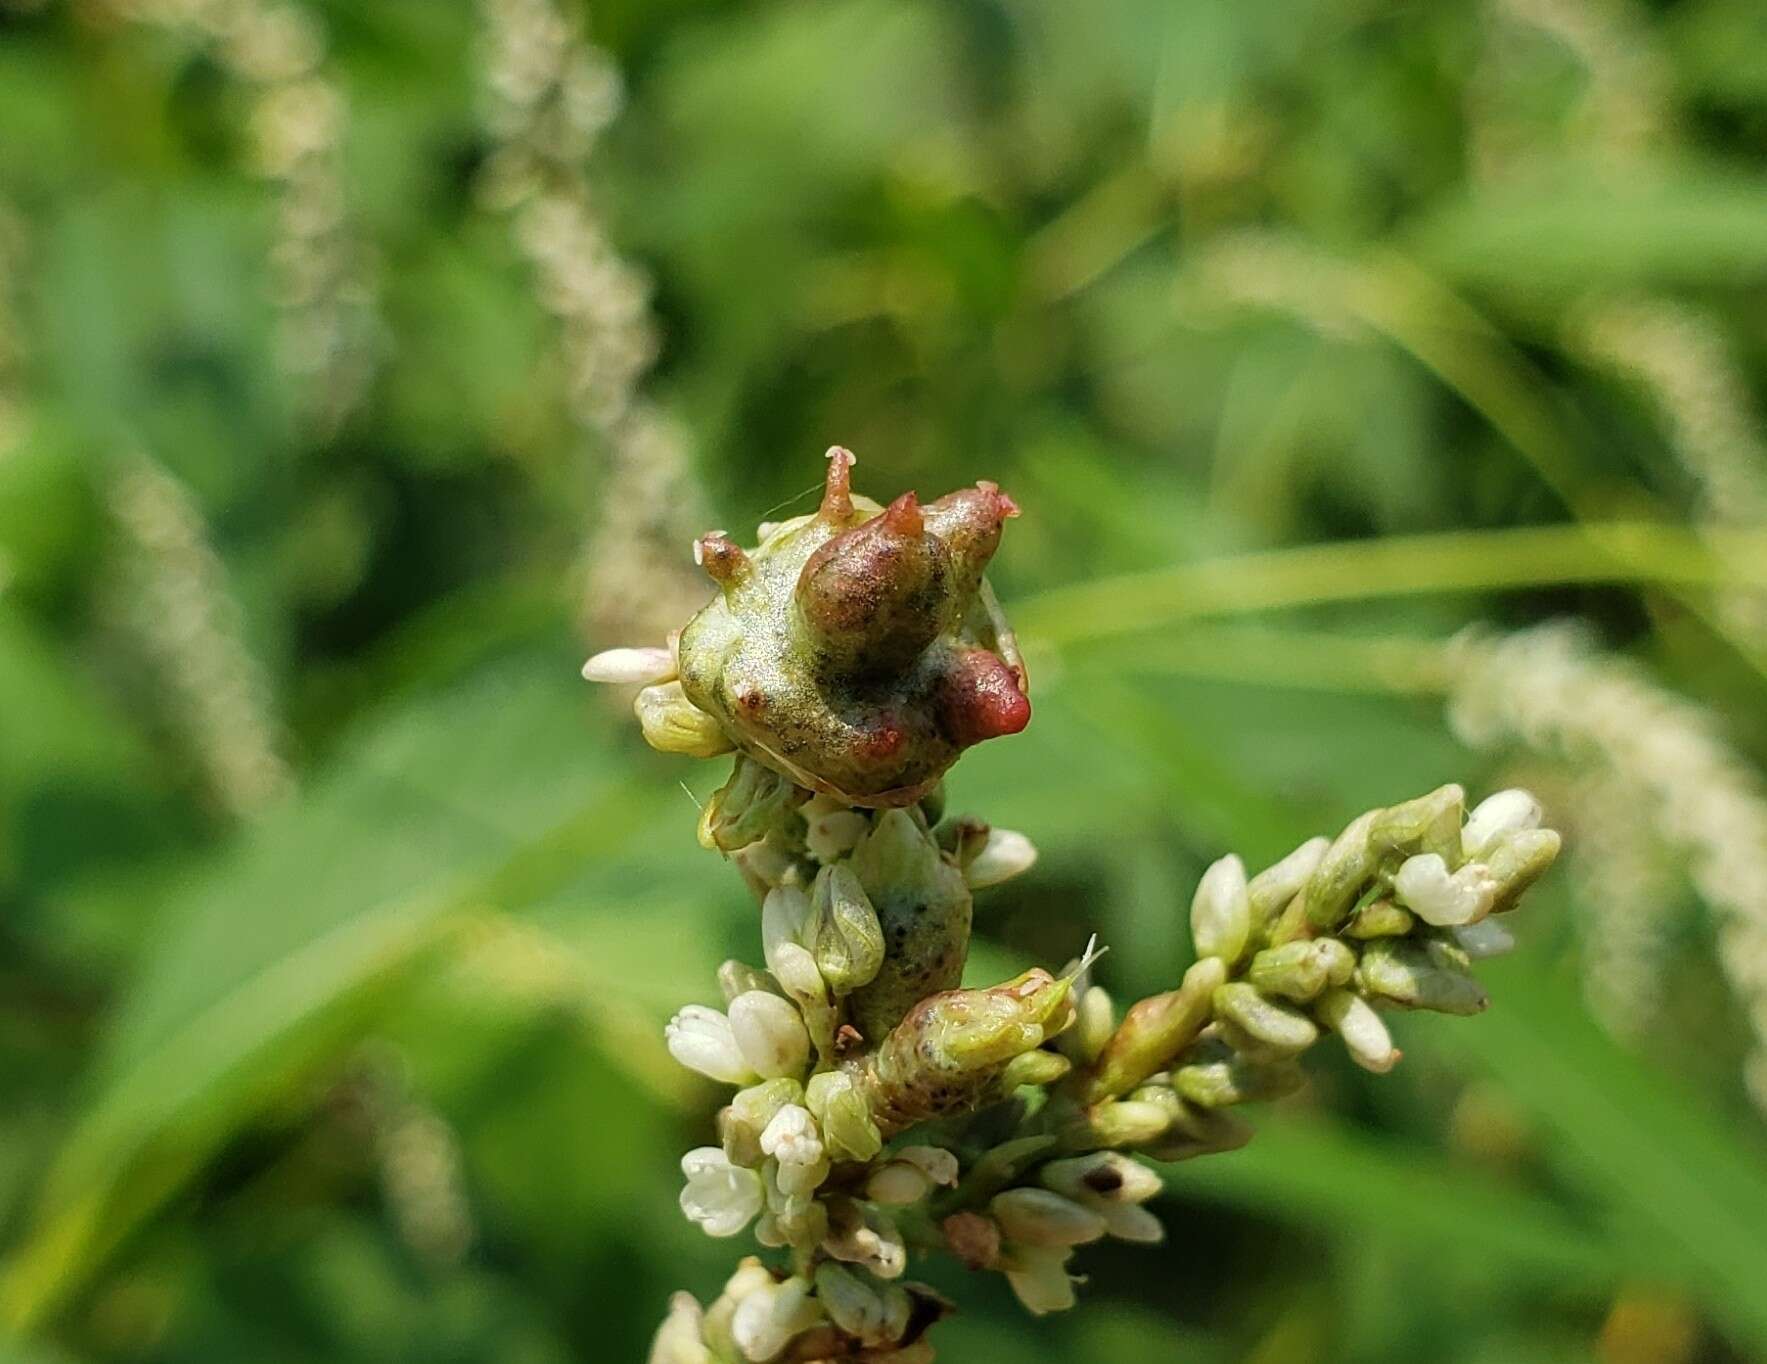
{"type": "Point", "coordinates": [857, 651]}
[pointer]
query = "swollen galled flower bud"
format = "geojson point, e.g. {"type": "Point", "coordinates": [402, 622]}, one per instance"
{"type": "Point", "coordinates": [857, 650]}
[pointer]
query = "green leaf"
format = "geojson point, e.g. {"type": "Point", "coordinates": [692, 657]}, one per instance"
{"type": "Point", "coordinates": [485, 797]}
{"type": "Point", "coordinates": [1323, 1173]}
{"type": "Point", "coordinates": [1687, 1189]}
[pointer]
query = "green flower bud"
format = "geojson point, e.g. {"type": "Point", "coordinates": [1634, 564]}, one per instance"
{"type": "Point", "coordinates": [1406, 973]}
{"type": "Point", "coordinates": [1220, 912]}
{"type": "Point", "coordinates": [1036, 1068]}
{"type": "Point", "coordinates": [741, 811]}
{"type": "Point", "coordinates": [1038, 1217]}
{"type": "Point", "coordinates": [1224, 1081]}
{"type": "Point", "coordinates": [1129, 1123]}
{"type": "Point", "coordinates": [1516, 860]}
{"type": "Point", "coordinates": [1300, 970]}
{"type": "Point", "coordinates": [1220, 1129]}
{"type": "Point", "coordinates": [1343, 873]}
{"type": "Point", "coordinates": [847, 938]}
{"type": "Point", "coordinates": [673, 724]}
{"type": "Point", "coordinates": [1380, 919]}
{"type": "Point", "coordinates": [871, 1312]}
{"type": "Point", "coordinates": [838, 1103]}
{"type": "Point", "coordinates": [1428, 824]}
{"type": "Point", "coordinates": [1154, 1031]}
{"type": "Point", "coordinates": [1277, 1026]}
{"type": "Point", "coordinates": [923, 910]}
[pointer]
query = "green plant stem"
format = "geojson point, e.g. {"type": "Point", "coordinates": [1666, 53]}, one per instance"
{"type": "Point", "coordinates": [1413, 565]}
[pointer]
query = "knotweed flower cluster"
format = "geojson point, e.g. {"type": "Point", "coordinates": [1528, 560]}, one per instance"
{"type": "Point", "coordinates": [323, 271]}
{"type": "Point", "coordinates": [1553, 691]}
{"type": "Point", "coordinates": [169, 596]}
{"type": "Point", "coordinates": [879, 1109]}
{"type": "Point", "coordinates": [549, 97]}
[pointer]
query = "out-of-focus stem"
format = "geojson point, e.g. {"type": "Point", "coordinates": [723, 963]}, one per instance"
{"type": "Point", "coordinates": [1406, 565]}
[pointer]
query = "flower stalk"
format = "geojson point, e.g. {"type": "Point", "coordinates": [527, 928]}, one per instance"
{"type": "Point", "coordinates": [881, 1109]}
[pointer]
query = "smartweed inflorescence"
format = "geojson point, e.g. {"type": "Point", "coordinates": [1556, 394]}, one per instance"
{"type": "Point", "coordinates": [880, 1110]}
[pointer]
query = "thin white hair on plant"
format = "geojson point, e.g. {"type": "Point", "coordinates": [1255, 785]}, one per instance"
{"type": "Point", "coordinates": [1551, 689]}
{"type": "Point", "coordinates": [549, 95]}
{"type": "Point", "coordinates": [328, 333]}
{"type": "Point", "coordinates": [168, 595]}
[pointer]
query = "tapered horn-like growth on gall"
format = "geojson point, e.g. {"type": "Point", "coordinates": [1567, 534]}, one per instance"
{"type": "Point", "coordinates": [857, 651]}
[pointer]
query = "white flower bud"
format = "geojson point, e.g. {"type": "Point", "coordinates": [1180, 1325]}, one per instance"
{"type": "Point", "coordinates": [721, 1197]}
{"type": "Point", "coordinates": [1365, 1036]}
{"type": "Point", "coordinates": [1039, 1276]}
{"type": "Point", "coordinates": [1101, 1178]}
{"type": "Point", "coordinates": [1132, 1222]}
{"type": "Point", "coordinates": [770, 1033]}
{"type": "Point", "coordinates": [938, 1164]}
{"type": "Point", "coordinates": [1487, 938]}
{"type": "Point", "coordinates": [1504, 813]}
{"type": "Point", "coordinates": [831, 829]}
{"type": "Point", "coordinates": [898, 1184]}
{"type": "Point", "coordinates": [791, 1138]}
{"type": "Point", "coordinates": [1220, 912]}
{"type": "Point", "coordinates": [1425, 887]}
{"type": "Point", "coordinates": [863, 1235]}
{"type": "Point", "coordinates": [767, 1319]}
{"type": "Point", "coordinates": [795, 970]}
{"type": "Point", "coordinates": [785, 918]}
{"type": "Point", "coordinates": [631, 667]}
{"type": "Point", "coordinates": [1271, 889]}
{"type": "Point", "coordinates": [1006, 854]}
{"type": "Point", "coordinates": [1037, 1217]}
{"type": "Point", "coordinates": [678, 1340]}
{"type": "Point", "coordinates": [702, 1039]}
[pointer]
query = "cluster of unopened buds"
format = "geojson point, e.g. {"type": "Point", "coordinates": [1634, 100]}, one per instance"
{"type": "Point", "coordinates": [882, 1110]}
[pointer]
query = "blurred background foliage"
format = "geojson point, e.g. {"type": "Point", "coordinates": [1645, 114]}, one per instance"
{"type": "Point", "coordinates": [362, 364]}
